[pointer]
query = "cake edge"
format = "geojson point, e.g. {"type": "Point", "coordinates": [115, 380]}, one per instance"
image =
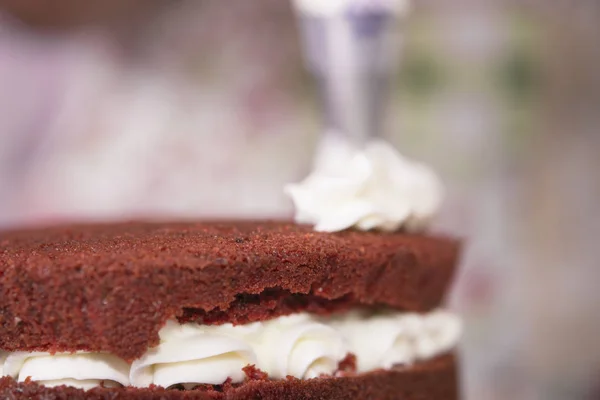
{"type": "Point", "coordinates": [428, 380]}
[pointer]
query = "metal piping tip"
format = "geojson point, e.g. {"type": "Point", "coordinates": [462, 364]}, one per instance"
{"type": "Point", "coordinates": [352, 47]}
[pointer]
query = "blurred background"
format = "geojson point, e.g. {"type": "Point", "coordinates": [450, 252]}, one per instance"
{"type": "Point", "coordinates": [131, 108]}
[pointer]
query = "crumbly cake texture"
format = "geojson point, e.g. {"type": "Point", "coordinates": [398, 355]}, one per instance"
{"type": "Point", "coordinates": [112, 287]}
{"type": "Point", "coordinates": [431, 380]}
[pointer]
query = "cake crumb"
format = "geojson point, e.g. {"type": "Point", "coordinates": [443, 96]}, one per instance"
{"type": "Point", "coordinates": [255, 374]}
{"type": "Point", "coordinates": [347, 366]}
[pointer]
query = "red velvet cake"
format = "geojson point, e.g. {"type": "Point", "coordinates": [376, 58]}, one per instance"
{"type": "Point", "coordinates": [344, 304]}
{"type": "Point", "coordinates": [225, 310]}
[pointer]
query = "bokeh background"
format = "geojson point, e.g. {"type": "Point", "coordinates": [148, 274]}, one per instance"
{"type": "Point", "coordinates": [129, 108]}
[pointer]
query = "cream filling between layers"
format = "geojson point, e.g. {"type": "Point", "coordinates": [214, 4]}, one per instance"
{"type": "Point", "coordinates": [301, 345]}
{"type": "Point", "coordinates": [81, 369]}
{"type": "Point", "coordinates": [190, 354]}
{"type": "Point", "coordinates": [3, 356]}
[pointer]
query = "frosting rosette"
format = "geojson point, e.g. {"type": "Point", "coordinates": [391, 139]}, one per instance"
{"type": "Point", "coordinates": [300, 346]}
{"type": "Point", "coordinates": [375, 188]}
{"type": "Point", "coordinates": [331, 8]}
{"type": "Point", "coordinates": [191, 354]}
{"type": "Point", "coordinates": [82, 370]}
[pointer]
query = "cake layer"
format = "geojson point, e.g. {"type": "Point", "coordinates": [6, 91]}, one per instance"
{"type": "Point", "coordinates": [430, 380]}
{"type": "Point", "coordinates": [112, 287]}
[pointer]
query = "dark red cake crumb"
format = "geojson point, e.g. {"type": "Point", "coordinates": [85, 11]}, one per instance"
{"type": "Point", "coordinates": [347, 365]}
{"type": "Point", "coordinates": [225, 387]}
{"type": "Point", "coordinates": [269, 304]}
{"type": "Point", "coordinates": [255, 374]}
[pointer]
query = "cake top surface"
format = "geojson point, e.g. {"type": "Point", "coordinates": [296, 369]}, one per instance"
{"type": "Point", "coordinates": [137, 245]}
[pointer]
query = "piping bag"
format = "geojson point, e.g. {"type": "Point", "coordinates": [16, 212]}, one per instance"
{"type": "Point", "coordinates": [352, 48]}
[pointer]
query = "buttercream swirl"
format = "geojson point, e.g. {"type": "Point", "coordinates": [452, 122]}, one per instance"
{"type": "Point", "coordinates": [82, 370]}
{"type": "Point", "coordinates": [331, 8]}
{"type": "Point", "coordinates": [191, 354]}
{"type": "Point", "coordinates": [374, 188]}
{"type": "Point", "coordinates": [300, 346]}
{"type": "Point", "coordinates": [3, 355]}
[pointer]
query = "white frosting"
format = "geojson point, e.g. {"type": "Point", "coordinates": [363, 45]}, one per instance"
{"type": "Point", "coordinates": [300, 345]}
{"type": "Point", "coordinates": [384, 340]}
{"type": "Point", "coordinates": [3, 356]}
{"type": "Point", "coordinates": [338, 7]}
{"type": "Point", "coordinates": [83, 370]}
{"type": "Point", "coordinates": [376, 188]}
{"type": "Point", "coordinates": [193, 354]}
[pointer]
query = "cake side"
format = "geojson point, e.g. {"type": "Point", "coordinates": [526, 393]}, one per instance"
{"type": "Point", "coordinates": [429, 380]}
{"type": "Point", "coordinates": [112, 287]}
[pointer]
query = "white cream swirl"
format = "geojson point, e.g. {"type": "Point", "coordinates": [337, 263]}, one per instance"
{"type": "Point", "coordinates": [3, 355]}
{"type": "Point", "coordinates": [330, 8]}
{"type": "Point", "coordinates": [388, 339]}
{"type": "Point", "coordinates": [376, 188]}
{"type": "Point", "coordinates": [82, 370]}
{"type": "Point", "coordinates": [191, 354]}
{"type": "Point", "coordinates": [299, 346]}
